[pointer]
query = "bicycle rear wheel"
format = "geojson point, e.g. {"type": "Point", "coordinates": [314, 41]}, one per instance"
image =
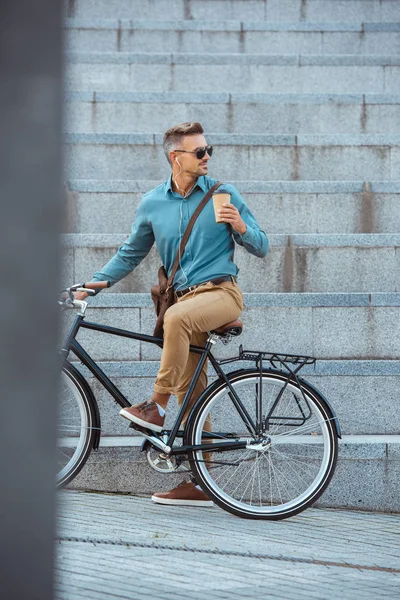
{"type": "Point", "coordinates": [75, 426]}
{"type": "Point", "coordinates": [278, 474]}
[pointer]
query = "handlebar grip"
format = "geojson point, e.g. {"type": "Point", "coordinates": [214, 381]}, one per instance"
{"type": "Point", "coordinates": [96, 285]}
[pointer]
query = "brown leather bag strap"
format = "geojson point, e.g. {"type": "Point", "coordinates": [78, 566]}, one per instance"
{"type": "Point", "coordinates": [189, 229]}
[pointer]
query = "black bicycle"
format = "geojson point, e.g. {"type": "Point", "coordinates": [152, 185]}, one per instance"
{"type": "Point", "coordinates": [273, 444]}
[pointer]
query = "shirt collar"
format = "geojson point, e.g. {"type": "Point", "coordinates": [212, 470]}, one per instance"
{"type": "Point", "coordinates": [201, 183]}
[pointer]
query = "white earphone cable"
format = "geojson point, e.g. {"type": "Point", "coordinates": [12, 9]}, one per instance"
{"type": "Point", "coordinates": [179, 250]}
{"type": "Point", "coordinates": [180, 171]}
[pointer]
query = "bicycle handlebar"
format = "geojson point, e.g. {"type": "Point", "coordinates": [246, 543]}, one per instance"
{"type": "Point", "coordinates": [96, 285]}
{"type": "Point", "coordinates": [89, 287]}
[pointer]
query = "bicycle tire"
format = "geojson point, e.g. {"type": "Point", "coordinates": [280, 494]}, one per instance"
{"type": "Point", "coordinates": [316, 437]}
{"type": "Point", "coordinates": [76, 427]}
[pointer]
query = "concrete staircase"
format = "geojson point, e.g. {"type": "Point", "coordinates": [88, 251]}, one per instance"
{"type": "Point", "coordinates": [301, 99]}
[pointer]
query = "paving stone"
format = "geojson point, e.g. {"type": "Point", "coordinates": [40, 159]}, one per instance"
{"type": "Point", "coordinates": [339, 534]}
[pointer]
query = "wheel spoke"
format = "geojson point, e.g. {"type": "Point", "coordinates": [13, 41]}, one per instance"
{"type": "Point", "coordinates": [63, 453]}
{"type": "Point", "coordinates": [284, 478]}
{"type": "Point", "coordinates": [299, 464]}
{"type": "Point", "coordinates": [273, 471]}
{"type": "Point", "coordinates": [233, 473]}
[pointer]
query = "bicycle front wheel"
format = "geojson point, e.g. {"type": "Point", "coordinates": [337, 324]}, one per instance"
{"type": "Point", "coordinates": [75, 424]}
{"type": "Point", "coordinates": [279, 473]}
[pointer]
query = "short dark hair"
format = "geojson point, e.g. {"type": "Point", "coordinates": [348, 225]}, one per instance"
{"type": "Point", "coordinates": [173, 136]}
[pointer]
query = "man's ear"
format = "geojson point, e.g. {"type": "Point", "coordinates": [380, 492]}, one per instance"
{"type": "Point", "coordinates": [174, 158]}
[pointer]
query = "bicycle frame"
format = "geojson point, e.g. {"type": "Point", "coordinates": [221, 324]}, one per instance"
{"type": "Point", "coordinates": [71, 345]}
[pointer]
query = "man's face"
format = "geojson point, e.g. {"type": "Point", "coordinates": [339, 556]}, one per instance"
{"type": "Point", "coordinates": [189, 162]}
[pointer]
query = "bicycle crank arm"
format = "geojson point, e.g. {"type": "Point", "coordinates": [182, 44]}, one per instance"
{"type": "Point", "coordinates": [155, 441]}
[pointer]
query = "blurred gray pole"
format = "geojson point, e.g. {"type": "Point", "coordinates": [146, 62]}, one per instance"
{"type": "Point", "coordinates": [30, 221]}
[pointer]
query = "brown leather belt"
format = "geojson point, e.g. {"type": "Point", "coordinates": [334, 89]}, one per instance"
{"type": "Point", "coordinates": [216, 281]}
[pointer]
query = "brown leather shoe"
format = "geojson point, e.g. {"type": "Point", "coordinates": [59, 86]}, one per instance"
{"type": "Point", "coordinates": [185, 494]}
{"type": "Point", "coordinates": [145, 414]}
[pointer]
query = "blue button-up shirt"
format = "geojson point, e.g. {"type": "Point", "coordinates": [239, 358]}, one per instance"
{"type": "Point", "coordinates": [162, 217]}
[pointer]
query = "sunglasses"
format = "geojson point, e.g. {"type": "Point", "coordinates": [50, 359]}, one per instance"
{"type": "Point", "coordinates": [199, 152]}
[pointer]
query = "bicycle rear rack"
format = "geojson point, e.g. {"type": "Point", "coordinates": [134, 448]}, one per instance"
{"type": "Point", "coordinates": [276, 359]}
{"type": "Point", "coordinates": [290, 365]}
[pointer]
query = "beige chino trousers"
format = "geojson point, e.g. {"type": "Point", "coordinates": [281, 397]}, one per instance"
{"type": "Point", "coordinates": [187, 322]}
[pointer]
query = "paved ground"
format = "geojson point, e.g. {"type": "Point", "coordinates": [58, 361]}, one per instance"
{"type": "Point", "coordinates": [125, 547]}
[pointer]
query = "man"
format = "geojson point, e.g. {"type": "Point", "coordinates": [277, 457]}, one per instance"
{"type": "Point", "coordinates": [205, 283]}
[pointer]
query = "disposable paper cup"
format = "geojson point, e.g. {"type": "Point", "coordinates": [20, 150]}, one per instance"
{"type": "Point", "coordinates": [219, 200]}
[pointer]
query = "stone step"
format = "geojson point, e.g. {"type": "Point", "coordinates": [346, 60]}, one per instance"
{"type": "Point", "coordinates": [178, 72]}
{"type": "Point", "coordinates": [122, 112]}
{"type": "Point", "coordinates": [250, 10]}
{"type": "Point", "coordinates": [281, 207]}
{"type": "Point", "coordinates": [363, 393]}
{"type": "Point", "coordinates": [366, 476]}
{"type": "Point", "coordinates": [330, 326]}
{"type": "Point", "coordinates": [125, 35]}
{"type": "Point", "coordinates": [295, 263]}
{"type": "Point", "coordinates": [241, 156]}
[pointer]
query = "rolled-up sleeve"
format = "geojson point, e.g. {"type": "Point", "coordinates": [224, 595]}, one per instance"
{"type": "Point", "coordinates": [254, 240]}
{"type": "Point", "coordinates": [132, 251]}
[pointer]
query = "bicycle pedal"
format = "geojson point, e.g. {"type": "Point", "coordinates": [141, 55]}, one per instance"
{"type": "Point", "coordinates": [142, 430]}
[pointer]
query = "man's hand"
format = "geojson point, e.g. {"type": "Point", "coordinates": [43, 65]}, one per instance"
{"type": "Point", "coordinates": [230, 214]}
{"type": "Point", "coordinates": [80, 295]}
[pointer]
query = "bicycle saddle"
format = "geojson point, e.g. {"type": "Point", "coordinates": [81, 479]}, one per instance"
{"type": "Point", "coordinates": [232, 328]}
